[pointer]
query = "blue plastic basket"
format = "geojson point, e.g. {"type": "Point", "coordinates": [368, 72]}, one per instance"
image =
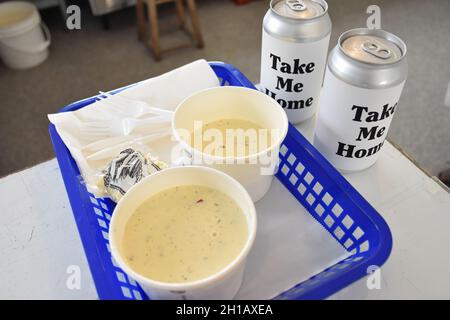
{"type": "Point", "coordinates": [316, 184]}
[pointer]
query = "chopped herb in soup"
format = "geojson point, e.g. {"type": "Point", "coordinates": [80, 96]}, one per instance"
{"type": "Point", "coordinates": [185, 233]}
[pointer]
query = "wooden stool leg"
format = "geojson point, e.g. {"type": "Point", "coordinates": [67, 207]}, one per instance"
{"type": "Point", "coordinates": [179, 7]}
{"type": "Point", "coordinates": [195, 23]}
{"type": "Point", "coordinates": [154, 39]}
{"type": "Point", "coordinates": [140, 19]}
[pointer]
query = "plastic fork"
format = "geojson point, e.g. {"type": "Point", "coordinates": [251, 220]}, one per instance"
{"type": "Point", "coordinates": [151, 124]}
{"type": "Point", "coordinates": [130, 107]}
{"type": "Point", "coordinates": [99, 129]}
{"type": "Point", "coordinates": [114, 149]}
{"type": "Point", "coordinates": [124, 127]}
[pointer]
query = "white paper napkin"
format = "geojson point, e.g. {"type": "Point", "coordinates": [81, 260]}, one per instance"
{"type": "Point", "coordinates": [166, 91]}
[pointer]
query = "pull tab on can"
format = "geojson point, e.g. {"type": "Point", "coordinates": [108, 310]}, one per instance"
{"type": "Point", "coordinates": [296, 5]}
{"type": "Point", "coordinates": [378, 50]}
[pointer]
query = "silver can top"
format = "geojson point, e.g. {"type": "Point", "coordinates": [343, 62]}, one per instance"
{"type": "Point", "coordinates": [372, 46]}
{"type": "Point", "coordinates": [369, 58]}
{"type": "Point", "coordinates": [298, 9]}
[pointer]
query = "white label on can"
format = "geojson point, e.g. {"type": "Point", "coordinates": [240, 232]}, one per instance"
{"type": "Point", "coordinates": [292, 74]}
{"type": "Point", "coordinates": [353, 122]}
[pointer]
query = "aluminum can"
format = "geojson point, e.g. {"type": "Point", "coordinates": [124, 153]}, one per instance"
{"type": "Point", "coordinates": [295, 40]}
{"type": "Point", "coordinates": [365, 75]}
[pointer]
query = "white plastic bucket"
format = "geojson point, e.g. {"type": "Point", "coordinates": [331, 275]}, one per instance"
{"type": "Point", "coordinates": [24, 39]}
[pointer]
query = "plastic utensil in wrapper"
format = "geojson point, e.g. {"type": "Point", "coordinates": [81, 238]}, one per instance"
{"type": "Point", "coordinates": [118, 120]}
{"type": "Point", "coordinates": [128, 168]}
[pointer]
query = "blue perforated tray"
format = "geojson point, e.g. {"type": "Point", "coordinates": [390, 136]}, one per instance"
{"type": "Point", "coordinates": [317, 185]}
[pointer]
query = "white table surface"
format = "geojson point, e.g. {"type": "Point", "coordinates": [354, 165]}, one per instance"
{"type": "Point", "coordinates": [39, 240]}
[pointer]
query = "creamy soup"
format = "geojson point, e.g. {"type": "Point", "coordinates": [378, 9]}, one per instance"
{"type": "Point", "coordinates": [231, 137]}
{"type": "Point", "coordinates": [185, 233]}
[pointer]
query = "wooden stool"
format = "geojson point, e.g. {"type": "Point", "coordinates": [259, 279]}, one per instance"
{"type": "Point", "coordinates": [153, 42]}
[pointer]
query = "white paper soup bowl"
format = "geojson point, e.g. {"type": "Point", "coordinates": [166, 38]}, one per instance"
{"type": "Point", "coordinates": [255, 171]}
{"type": "Point", "coordinates": [221, 285]}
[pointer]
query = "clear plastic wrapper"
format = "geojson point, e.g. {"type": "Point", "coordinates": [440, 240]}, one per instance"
{"type": "Point", "coordinates": [138, 117]}
{"type": "Point", "coordinates": [127, 168]}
